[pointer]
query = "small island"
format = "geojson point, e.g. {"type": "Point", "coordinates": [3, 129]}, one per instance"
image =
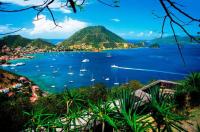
{"type": "Point", "coordinates": [155, 45]}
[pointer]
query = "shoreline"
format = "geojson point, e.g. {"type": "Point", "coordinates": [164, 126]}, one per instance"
{"type": "Point", "coordinates": [29, 55]}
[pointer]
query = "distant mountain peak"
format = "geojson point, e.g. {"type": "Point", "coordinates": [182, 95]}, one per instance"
{"type": "Point", "coordinates": [14, 41]}
{"type": "Point", "coordinates": [171, 40]}
{"type": "Point", "coordinates": [94, 37]}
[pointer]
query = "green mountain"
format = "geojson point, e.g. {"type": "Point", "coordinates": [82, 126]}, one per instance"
{"type": "Point", "coordinates": [171, 40]}
{"type": "Point", "coordinates": [39, 43]}
{"type": "Point", "coordinates": [93, 37]}
{"type": "Point", "coordinates": [14, 41]}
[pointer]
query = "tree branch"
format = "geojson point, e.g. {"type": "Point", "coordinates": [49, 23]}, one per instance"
{"type": "Point", "coordinates": [11, 32]}
{"type": "Point", "coordinates": [178, 45]}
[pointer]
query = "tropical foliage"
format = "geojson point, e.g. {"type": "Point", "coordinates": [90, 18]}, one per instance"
{"type": "Point", "coordinates": [95, 36]}
{"type": "Point", "coordinates": [79, 110]}
{"type": "Point", "coordinates": [127, 113]}
{"type": "Point", "coordinates": [188, 93]}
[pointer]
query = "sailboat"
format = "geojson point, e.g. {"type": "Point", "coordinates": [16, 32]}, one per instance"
{"type": "Point", "coordinates": [54, 71]}
{"type": "Point", "coordinates": [108, 55]}
{"type": "Point", "coordinates": [114, 66]}
{"type": "Point", "coordinates": [70, 72]}
{"type": "Point", "coordinates": [85, 60]}
{"type": "Point", "coordinates": [71, 81]}
{"type": "Point", "coordinates": [107, 78]}
{"type": "Point", "coordinates": [92, 78]}
{"type": "Point", "coordinates": [83, 69]}
{"type": "Point", "coordinates": [116, 83]}
{"type": "Point", "coordinates": [81, 74]}
{"type": "Point", "coordinates": [126, 81]}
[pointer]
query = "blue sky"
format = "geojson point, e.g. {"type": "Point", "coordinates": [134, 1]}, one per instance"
{"type": "Point", "coordinates": [132, 20]}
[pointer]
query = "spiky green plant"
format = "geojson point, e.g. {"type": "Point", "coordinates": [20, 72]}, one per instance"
{"type": "Point", "coordinates": [102, 113]}
{"type": "Point", "coordinates": [198, 128]}
{"type": "Point", "coordinates": [161, 107]}
{"type": "Point", "coordinates": [74, 120]}
{"type": "Point", "coordinates": [189, 91]}
{"type": "Point", "coordinates": [130, 113]}
{"type": "Point", "coordinates": [193, 81]}
{"type": "Point", "coordinates": [40, 121]}
{"type": "Point", "coordinates": [73, 100]}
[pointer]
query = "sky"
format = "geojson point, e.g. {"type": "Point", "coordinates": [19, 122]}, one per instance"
{"type": "Point", "coordinates": [132, 20]}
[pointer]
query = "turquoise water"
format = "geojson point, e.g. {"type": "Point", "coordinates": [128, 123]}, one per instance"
{"type": "Point", "coordinates": [53, 71]}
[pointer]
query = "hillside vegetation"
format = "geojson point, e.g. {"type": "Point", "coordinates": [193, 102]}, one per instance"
{"type": "Point", "coordinates": [14, 41]}
{"type": "Point", "coordinates": [171, 40]}
{"type": "Point", "coordinates": [94, 37]}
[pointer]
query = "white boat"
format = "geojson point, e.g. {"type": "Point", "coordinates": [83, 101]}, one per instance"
{"type": "Point", "coordinates": [54, 71]}
{"type": "Point", "coordinates": [107, 79]}
{"type": "Point", "coordinates": [70, 72]}
{"type": "Point", "coordinates": [92, 78]}
{"type": "Point", "coordinates": [108, 55]}
{"type": "Point", "coordinates": [83, 69]}
{"type": "Point", "coordinates": [81, 74]}
{"type": "Point", "coordinates": [116, 83]}
{"type": "Point", "coordinates": [127, 81]}
{"type": "Point", "coordinates": [85, 60]}
{"type": "Point", "coordinates": [4, 65]}
{"type": "Point", "coordinates": [114, 66]}
{"type": "Point", "coordinates": [13, 65]}
{"type": "Point", "coordinates": [71, 81]}
{"type": "Point", "coordinates": [20, 64]}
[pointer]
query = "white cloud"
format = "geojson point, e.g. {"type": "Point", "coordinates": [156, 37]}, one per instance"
{"type": "Point", "coordinates": [7, 28]}
{"type": "Point", "coordinates": [64, 10]}
{"type": "Point", "coordinates": [150, 33]}
{"type": "Point", "coordinates": [131, 32]}
{"type": "Point", "coordinates": [56, 5]}
{"type": "Point", "coordinates": [115, 20]}
{"type": "Point", "coordinates": [45, 27]}
{"type": "Point", "coordinates": [3, 28]}
{"type": "Point", "coordinates": [23, 2]}
{"type": "Point", "coordinates": [140, 35]}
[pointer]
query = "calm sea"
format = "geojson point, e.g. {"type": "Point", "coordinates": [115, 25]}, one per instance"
{"type": "Point", "coordinates": [54, 71]}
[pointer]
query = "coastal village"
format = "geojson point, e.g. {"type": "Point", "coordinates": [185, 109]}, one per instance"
{"type": "Point", "coordinates": [10, 84]}
{"type": "Point", "coordinates": [99, 66]}
{"type": "Point", "coordinates": [17, 87]}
